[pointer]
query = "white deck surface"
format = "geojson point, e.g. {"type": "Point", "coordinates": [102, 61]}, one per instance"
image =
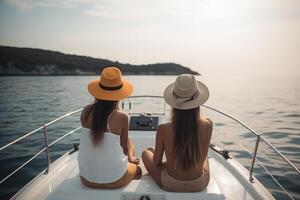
{"type": "Point", "coordinates": [229, 180]}
{"type": "Point", "coordinates": [221, 186]}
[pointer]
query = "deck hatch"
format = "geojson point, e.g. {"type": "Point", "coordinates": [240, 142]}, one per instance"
{"type": "Point", "coordinates": [143, 123]}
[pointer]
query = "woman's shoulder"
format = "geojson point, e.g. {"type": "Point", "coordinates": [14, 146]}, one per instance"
{"type": "Point", "coordinates": [121, 115]}
{"type": "Point", "coordinates": [164, 126]}
{"type": "Point", "coordinates": [119, 118]}
{"type": "Point", "coordinates": [86, 111]}
{"type": "Point", "coordinates": [207, 125]}
{"type": "Point", "coordinates": [164, 129]}
{"type": "Point", "coordinates": [206, 122]}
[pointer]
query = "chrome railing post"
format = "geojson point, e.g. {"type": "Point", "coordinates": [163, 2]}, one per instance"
{"type": "Point", "coordinates": [254, 156]}
{"type": "Point", "coordinates": [47, 149]}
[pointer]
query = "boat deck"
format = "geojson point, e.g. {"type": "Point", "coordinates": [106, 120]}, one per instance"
{"type": "Point", "coordinates": [229, 180]}
{"type": "Point", "coordinates": [71, 188]}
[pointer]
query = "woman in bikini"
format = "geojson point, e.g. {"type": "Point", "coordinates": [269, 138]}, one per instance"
{"type": "Point", "coordinates": [106, 155]}
{"type": "Point", "coordinates": [185, 140]}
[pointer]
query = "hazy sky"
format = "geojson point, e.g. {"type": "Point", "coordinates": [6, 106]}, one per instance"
{"type": "Point", "coordinates": [211, 36]}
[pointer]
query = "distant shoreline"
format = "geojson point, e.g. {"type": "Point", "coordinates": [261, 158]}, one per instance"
{"type": "Point", "coordinates": [16, 61]}
{"type": "Point", "coordinates": [41, 75]}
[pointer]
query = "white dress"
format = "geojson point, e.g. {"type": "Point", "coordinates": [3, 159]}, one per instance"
{"type": "Point", "coordinates": [104, 163]}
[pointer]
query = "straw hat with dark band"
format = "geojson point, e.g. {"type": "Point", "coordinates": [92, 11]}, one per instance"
{"type": "Point", "coordinates": [111, 85]}
{"type": "Point", "coordinates": [186, 93]}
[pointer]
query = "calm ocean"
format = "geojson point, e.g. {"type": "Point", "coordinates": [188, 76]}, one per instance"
{"type": "Point", "coordinates": [270, 105]}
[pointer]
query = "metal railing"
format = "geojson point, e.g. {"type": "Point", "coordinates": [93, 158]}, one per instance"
{"type": "Point", "coordinates": [46, 148]}
{"type": "Point", "coordinates": [142, 96]}
{"type": "Point", "coordinates": [259, 137]}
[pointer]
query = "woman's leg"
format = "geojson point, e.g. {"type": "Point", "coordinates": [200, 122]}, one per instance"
{"type": "Point", "coordinates": [154, 171]}
{"type": "Point", "coordinates": [133, 172]}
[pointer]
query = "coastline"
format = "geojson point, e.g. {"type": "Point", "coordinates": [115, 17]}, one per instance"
{"type": "Point", "coordinates": [18, 61]}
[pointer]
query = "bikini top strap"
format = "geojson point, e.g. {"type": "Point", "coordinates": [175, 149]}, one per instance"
{"type": "Point", "coordinates": [108, 128]}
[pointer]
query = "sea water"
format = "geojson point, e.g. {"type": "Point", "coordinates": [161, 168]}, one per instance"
{"type": "Point", "coordinates": [270, 105]}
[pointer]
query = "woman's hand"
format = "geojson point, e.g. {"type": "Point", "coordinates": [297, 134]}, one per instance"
{"type": "Point", "coordinates": [134, 160]}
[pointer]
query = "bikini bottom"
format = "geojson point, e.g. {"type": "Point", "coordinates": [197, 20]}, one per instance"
{"type": "Point", "coordinates": [173, 185]}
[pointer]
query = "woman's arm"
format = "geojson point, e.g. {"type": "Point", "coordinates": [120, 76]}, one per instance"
{"type": "Point", "coordinates": [209, 129]}
{"type": "Point", "coordinates": [159, 147]}
{"type": "Point", "coordinates": [124, 134]}
{"type": "Point", "coordinates": [85, 115]}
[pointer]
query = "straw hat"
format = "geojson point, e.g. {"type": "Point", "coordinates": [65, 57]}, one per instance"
{"type": "Point", "coordinates": [111, 86]}
{"type": "Point", "coordinates": [186, 93]}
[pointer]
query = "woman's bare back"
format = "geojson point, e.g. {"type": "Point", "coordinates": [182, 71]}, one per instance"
{"type": "Point", "coordinates": [167, 137]}
{"type": "Point", "coordinates": [118, 124]}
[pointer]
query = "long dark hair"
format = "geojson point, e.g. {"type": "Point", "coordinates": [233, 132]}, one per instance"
{"type": "Point", "coordinates": [101, 110]}
{"type": "Point", "coordinates": [186, 143]}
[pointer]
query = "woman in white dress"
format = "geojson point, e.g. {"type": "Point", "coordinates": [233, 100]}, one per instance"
{"type": "Point", "coordinates": [106, 155]}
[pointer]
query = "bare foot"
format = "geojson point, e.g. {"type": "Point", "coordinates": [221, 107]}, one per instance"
{"type": "Point", "coordinates": [134, 160]}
